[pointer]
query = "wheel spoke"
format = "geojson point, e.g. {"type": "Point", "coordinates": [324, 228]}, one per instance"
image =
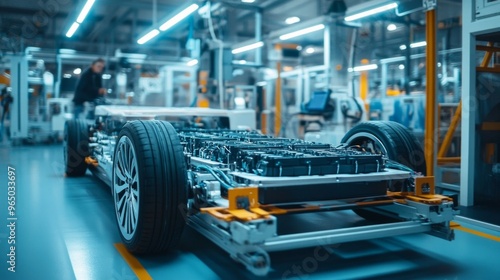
{"type": "Point", "coordinates": [124, 163]}
{"type": "Point", "coordinates": [135, 208]}
{"type": "Point", "coordinates": [135, 193]}
{"type": "Point", "coordinates": [124, 217]}
{"type": "Point", "coordinates": [120, 188]}
{"type": "Point", "coordinates": [121, 201]}
{"type": "Point", "coordinates": [120, 175]}
{"type": "Point", "coordinates": [131, 159]}
{"type": "Point", "coordinates": [130, 219]}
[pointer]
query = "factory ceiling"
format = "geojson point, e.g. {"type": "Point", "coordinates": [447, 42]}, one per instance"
{"type": "Point", "coordinates": [117, 24]}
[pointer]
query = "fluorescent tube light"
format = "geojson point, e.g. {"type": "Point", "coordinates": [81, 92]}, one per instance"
{"type": "Point", "coordinates": [67, 51]}
{"type": "Point", "coordinates": [150, 35]}
{"type": "Point", "coordinates": [85, 11]}
{"type": "Point", "coordinates": [363, 68]}
{"type": "Point", "coordinates": [180, 16]}
{"type": "Point", "coordinates": [371, 12]}
{"type": "Point", "coordinates": [292, 20]}
{"type": "Point", "coordinates": [418, 44]}
{"type": "Point", "coordinates": [192, 62]}
{"type": "Point", "coordinates": [310, 50]}
{"type": "Point", "coordinates": [414, 45]}
{"type": "Point", "coordinates": [302, 32]}
{"type": "Point", "coordinates": [72, 29]}
{"type": "Point", "coordinates": [248, 47]}
{"type": "Point", "coordinates": [240, 62]}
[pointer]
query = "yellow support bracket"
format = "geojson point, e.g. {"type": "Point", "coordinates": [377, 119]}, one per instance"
{"type": "Point", "coordinates": [424, 192]}
{"type": "Point", "coordinates": [243, 206]}
{"type": "Point", "coordinates": [91, 161]}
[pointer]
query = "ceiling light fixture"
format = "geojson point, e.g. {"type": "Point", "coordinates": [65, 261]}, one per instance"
{"type": "Point", "coordinates": [85, 11]}
{"type": "Point", "coordinates": [363, 68]}
{"type": "Point", "coordinates": [192, 62]}
{"type": "Point", "coordinates": [77, 71]}
{"type": "Point", "coordinates": [414, 45]}
{"type": "Point", "coordinates": [302, 32]}
{"type": "Point", "coordinates": [81, 17]}
{"type": "Point", "coordinates": [391, 27]}
{"type": "Point", "coordinates": [150, 35]}
{"type": "Point", "coordinates": [371, 12]}
{"type": "Point", "coordinates": [418, 44]}
{"type": "Point", "coordinates": [179, 17]}
{"type": "Point", "coordinates": [292, 20]}
{"type": "Point", "coordinates": [310, 50]}
{"type": "Point", "coordinates": [72, 29]}
{"type": "Point", "coordinates": [67, 51]}
{"type": "Point", "coordinates": [248, 47]}
{"type": "Point", "coordinates": [247, 1]}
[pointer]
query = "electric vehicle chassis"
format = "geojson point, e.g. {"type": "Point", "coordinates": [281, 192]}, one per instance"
{"type": "Point", "coordinates": [168, 167]}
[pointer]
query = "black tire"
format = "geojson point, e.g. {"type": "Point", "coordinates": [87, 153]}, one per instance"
{"type": "Point", "coordinates": [161, 186]}
{"type": "Point", "coordinates": [399, 143]}
{"type": "Point", "coordinates": [76, 147]}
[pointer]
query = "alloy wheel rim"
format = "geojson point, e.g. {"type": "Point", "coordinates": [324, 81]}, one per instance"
{"type": "Point", "coordinates": [368, 142]}
{"type": "Point", "coordinates": [126, 187]}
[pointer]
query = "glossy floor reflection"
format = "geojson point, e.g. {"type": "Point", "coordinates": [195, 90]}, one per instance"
{"type": "Point", "coordinates": [66, 230]}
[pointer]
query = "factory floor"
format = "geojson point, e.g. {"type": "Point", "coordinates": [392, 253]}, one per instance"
{"type": "Point", "coordinates": [65, 229]}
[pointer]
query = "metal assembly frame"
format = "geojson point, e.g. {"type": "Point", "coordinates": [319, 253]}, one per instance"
{"type": "Point", "coordinates": [249, 242]}
{"type": "Point", "coordinates": [247, 230]}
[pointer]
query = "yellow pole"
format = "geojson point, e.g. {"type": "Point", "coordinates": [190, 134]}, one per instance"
{"type": "Point", "coordinates": [363, 85]}
{"type": "Point", "coordinates": [451, 130]}
{"type": "Point", "coordinates": [263, 115]}
{"type": "Point", "coordinates": [430, 120]}
{"type": "Point", "coordinates": [277, 100]}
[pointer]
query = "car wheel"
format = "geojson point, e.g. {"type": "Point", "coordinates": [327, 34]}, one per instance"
{"type": "Point", "coordinates": [149, 186]}
{"type": "Point", "coordinates": [76, 147]}
{"type": "Point", "coordinates": [394, 141]}
{"type": "Point", "coordinates": [391, 139]}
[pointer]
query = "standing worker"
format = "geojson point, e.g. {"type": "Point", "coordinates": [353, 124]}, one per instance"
{"type": "Point", "coordinates": [5, 100]}
{"type": "Point", "coordinates": [89, 87]}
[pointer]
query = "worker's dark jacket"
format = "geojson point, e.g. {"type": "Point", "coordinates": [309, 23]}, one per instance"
{"type": "Point", "coordinates": [88, 87]}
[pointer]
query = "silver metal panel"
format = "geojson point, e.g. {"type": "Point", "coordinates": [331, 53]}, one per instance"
{"type": "Point", "coordinates": [202, 161]}
{"type": "Point", "coordinates": [19, 108]}
{"type": "Point", "coordinates": [388, 174]}
{"type": "Point", "coordinates": [470, 103]}
{"type": "Point", "coordinates": [336, 236]}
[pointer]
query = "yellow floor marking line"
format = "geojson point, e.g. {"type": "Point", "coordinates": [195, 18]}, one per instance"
{"type": "Point", "coordinates": [134, 264]}
{"type": "Point", "coordinates": [457, 226]}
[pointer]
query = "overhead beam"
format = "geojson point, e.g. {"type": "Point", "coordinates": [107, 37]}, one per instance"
{"type": "Point", "coordinates": [270, 4]}
{"type": "Point", "coordinates": [138, 4]}
{"type": "Point", "coordinates": [107, 21]}
{"type": "Point", "coordinates": [9, 11]}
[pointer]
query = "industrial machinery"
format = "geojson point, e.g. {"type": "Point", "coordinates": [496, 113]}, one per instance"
{"type": "Point", "coordinates": [168, 167]}
{"type": "Point", "coordinates": [336, 115]}
{"type": "Point", "coordinates": [35, 116]}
